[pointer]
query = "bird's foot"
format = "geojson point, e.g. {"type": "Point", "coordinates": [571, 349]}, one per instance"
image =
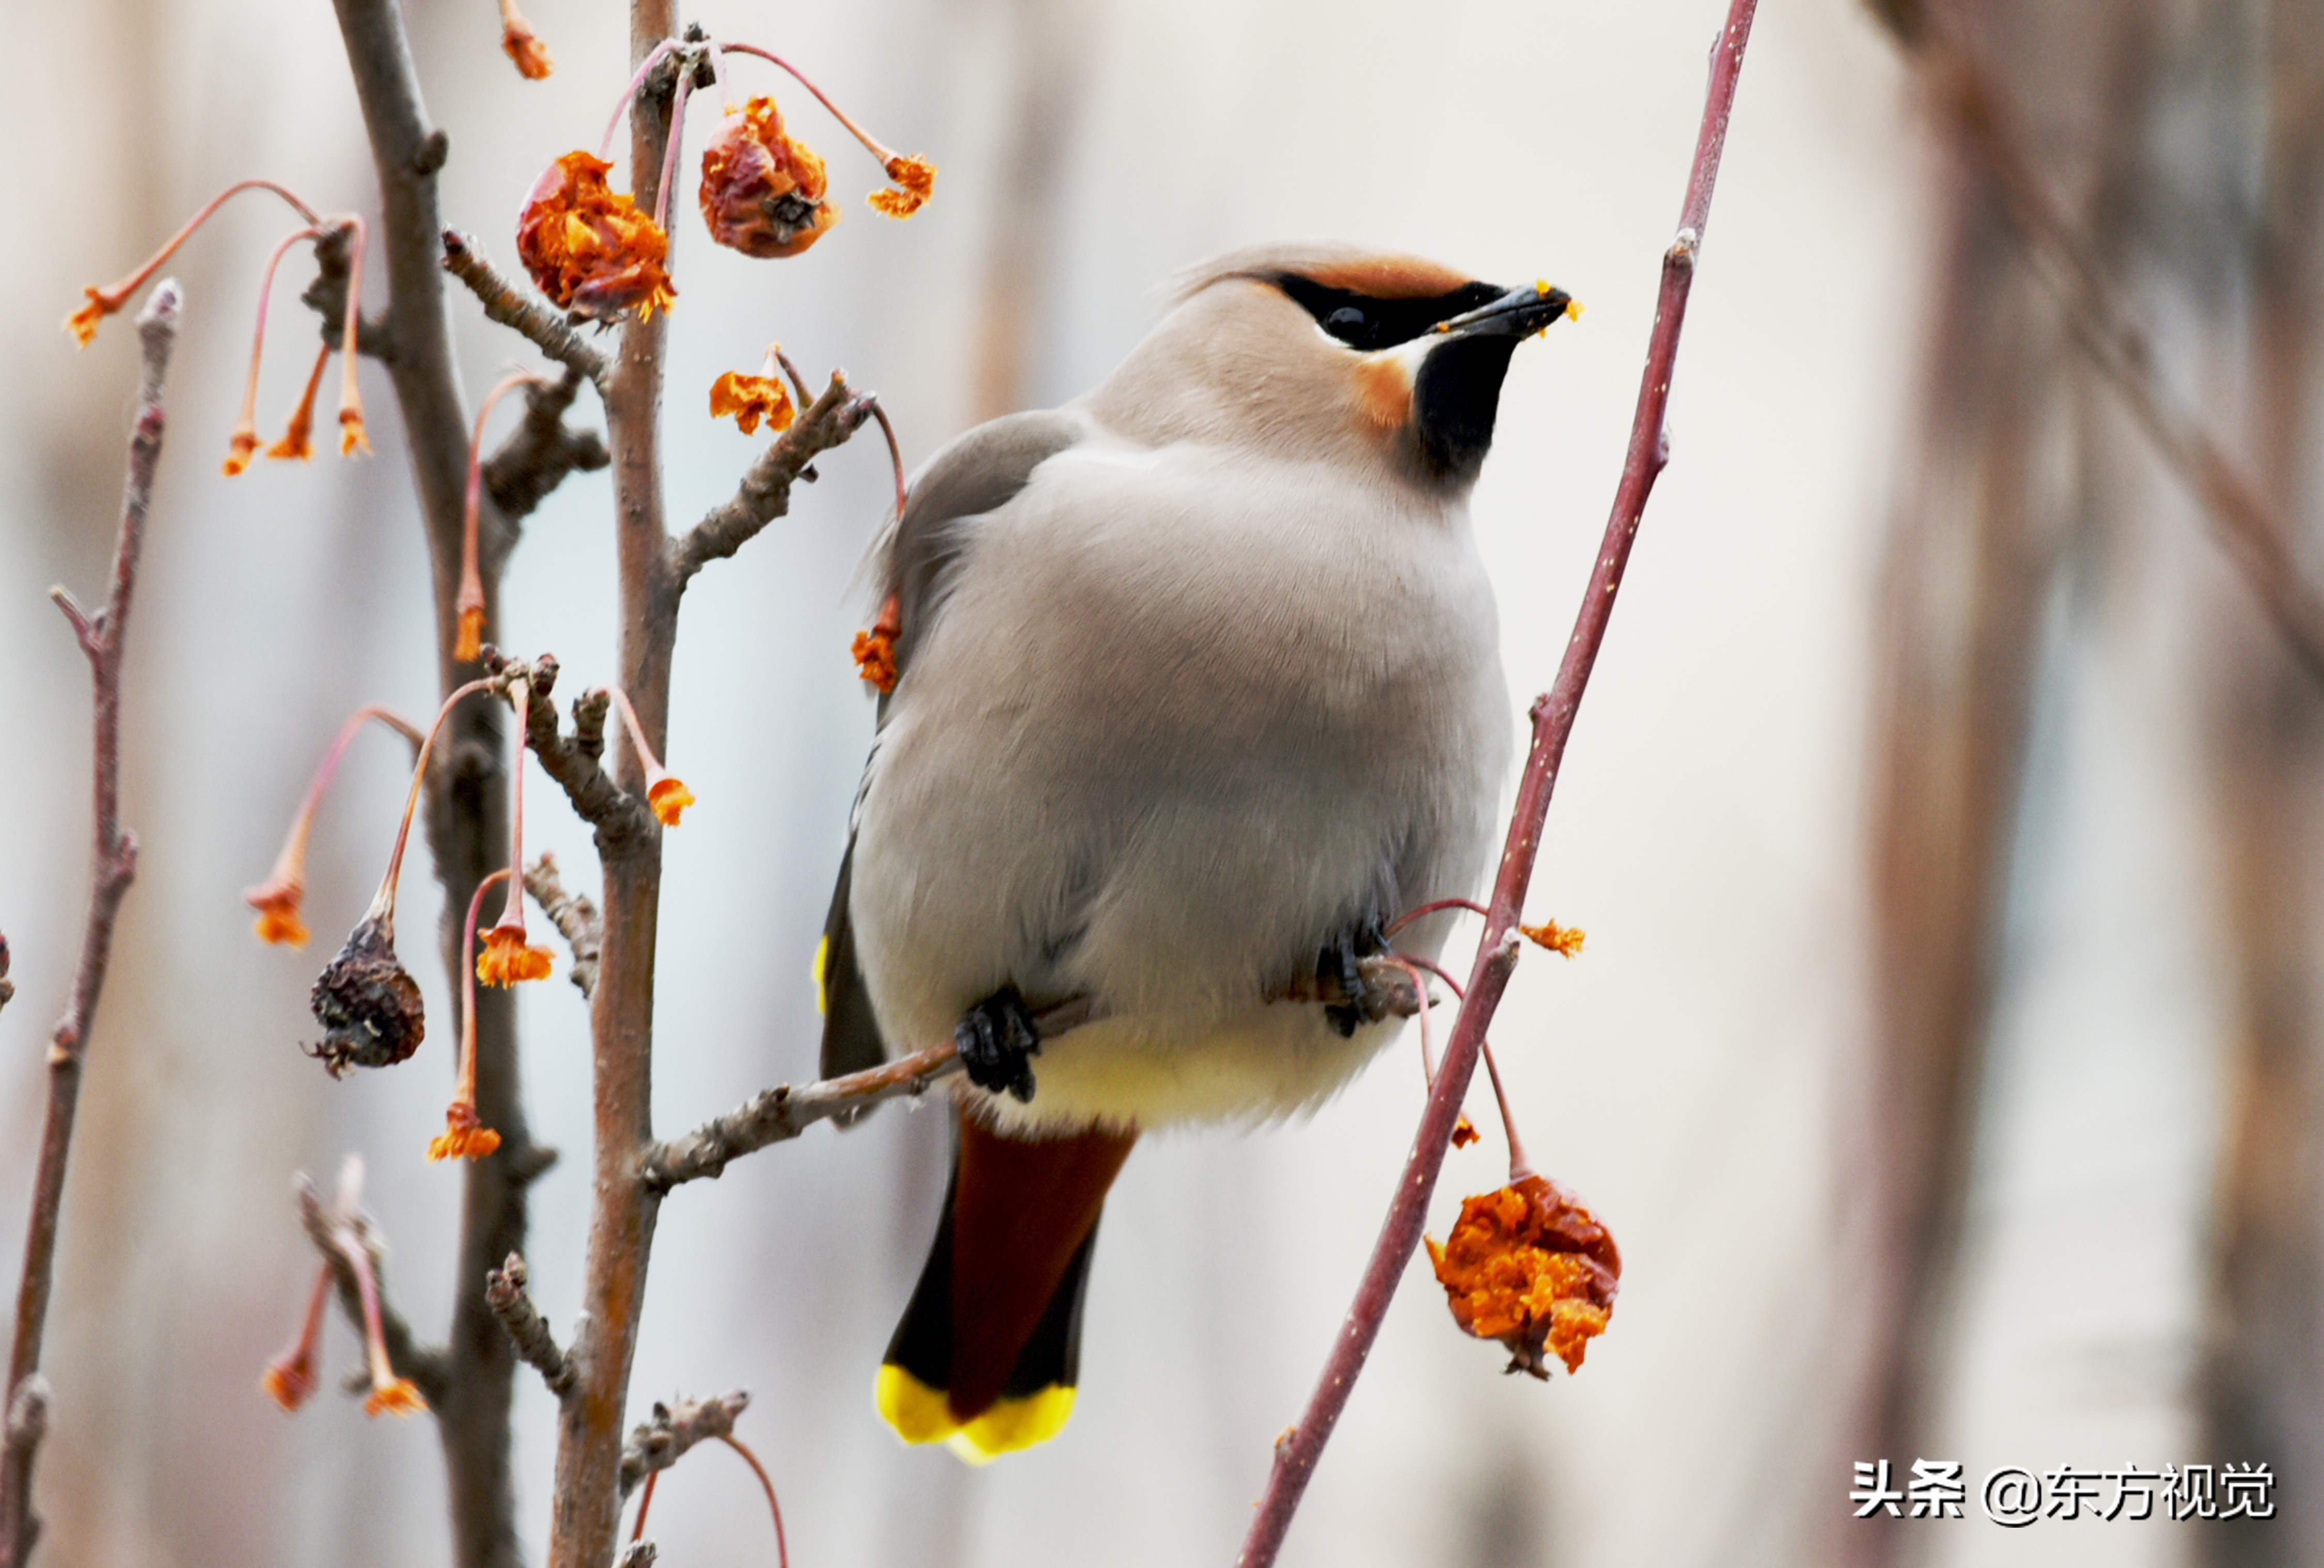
{"type": "Point", "coordinates": [1349, 999]}
{"type": "Point", "coordinates": [997, 1039]}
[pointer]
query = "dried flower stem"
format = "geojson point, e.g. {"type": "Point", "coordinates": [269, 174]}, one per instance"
{"type": "Point", "coordinates": [470, 600]}
{"type": "Point", "coordinates": [112, 860]}
{"type": "Point", "coordinates": [871, 144]}
{"type": "Point", "coordinates": [895, 451]}
{"type": "Point", "coordinates": [290, 865]}
{"type": "Point", "coordinates": [113, 296]}
{"type": "Point", "coordinates": [1295, 1456]}
{"type": "Point", "coordinates": [767, 1485]}
{"type": "Point", "coordinates": [659, 52]}
{"type": "Point", "coordinates": [382, 903]}
{"type": "Point", "coordinates": [245, 426]}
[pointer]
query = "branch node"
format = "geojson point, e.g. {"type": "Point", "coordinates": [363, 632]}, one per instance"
{"type": "Point", "coordinates": [532, 318]}
{"type": "Point", "coordinates": [766, 490]}
{"type": "Point", "coordinates": [662, 1439]}
{"type": "Point", "coordinates": [506, 1294]}
{"type": "Point", "coordinates": [572, 914]}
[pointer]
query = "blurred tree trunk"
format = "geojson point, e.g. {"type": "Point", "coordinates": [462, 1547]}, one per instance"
{"type": "Point", "coordinates": [2264, 1389]}
{"type": "Point", "coordinates": [1971, 557]}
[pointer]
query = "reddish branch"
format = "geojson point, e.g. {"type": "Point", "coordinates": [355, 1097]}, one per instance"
{"type": "Point", "coordinates": [1552, 724]}
{"type": "Point", "coordinates": [112, 862]}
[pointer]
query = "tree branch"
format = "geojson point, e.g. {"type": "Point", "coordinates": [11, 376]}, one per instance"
{"type": "Point", "coordinates": [586, 1519]}
{"type": "Point", "coordinates": [621, 818]}
{"type": "Point", "coordinates": [112, 862]}
{"type": "Point", "coordinates": [572, 914]}
{"type": "Point", "coordinates": [2257, 539]}
{"type": "Point", "coordinates": [467, 797]}
{"type": "Point", "coordinates": [431, 1371]}
{"type": "Point", "coordinates": [504, 1293]}
{"type": "Point", "coordinates": [766, 491]}
{"type": "Point", "coordinates": [662, 1440]}
{"type": "Point", "coordinates": [542, 451]}
{"type": "Point", "coordinates": [782, 1112]}
{"type": "Point", "coordinates": [532, 317]}
{"type": "Point", "coordinates": [1295, 1456]}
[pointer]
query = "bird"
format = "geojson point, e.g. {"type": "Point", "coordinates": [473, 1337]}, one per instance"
{"type": "Point", "coordinates": [1196, 690]}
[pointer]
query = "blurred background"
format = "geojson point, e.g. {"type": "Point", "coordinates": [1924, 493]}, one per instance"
{"type": "Point", "coordinates": [1945, 817]}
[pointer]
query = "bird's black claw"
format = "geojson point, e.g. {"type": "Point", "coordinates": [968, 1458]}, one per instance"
{"type": "Point", "coordinates": [997, 1041]}
{"type": "Point", "coordinates": [1340, 980]}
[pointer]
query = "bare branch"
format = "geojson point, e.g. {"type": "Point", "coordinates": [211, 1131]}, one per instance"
{"type": "Point", "coordinates": [541, 450]}
{"type": "Point", "coordinates": [1295, 1456]}
{"type": "Point", "coordinates": [504, 1293]}
{"type": "Point", "coordinates": [766, 491]}
{"type": "Point", "coordinates": [467, 797]}
{"type": "Point", "coordinates": [620, 817]}
{"type": "Point", "coordinates": [2101, 323]}
{"type": "Point", "coordinates": [572, 914]}
{"type": "Point", "coordinates": [533, 319]}
{"type": "Point", "coordinates": [782, 1112]}
{"type": "Point", "coordinates": [112, 860]}
{"type": "Point", "coordinates": [660, 1441]}
{"type": "Point", "coordinates": [326, 297]}
{"type": "Point", "coordinates": [429, 1370]}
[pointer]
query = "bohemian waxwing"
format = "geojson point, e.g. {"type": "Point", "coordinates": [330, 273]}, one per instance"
{"type": "Point", "coordinates": [1196, 689]}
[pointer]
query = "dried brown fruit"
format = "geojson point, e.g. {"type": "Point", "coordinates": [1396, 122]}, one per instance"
{"type": "Point", "coordinates": [762, 191]}
{"type": "Point", "coordinates": [1530, 1266]}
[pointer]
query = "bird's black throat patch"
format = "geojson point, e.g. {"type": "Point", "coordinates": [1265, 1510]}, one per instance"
{"type": "Point", "coordinates": [1455, 396]}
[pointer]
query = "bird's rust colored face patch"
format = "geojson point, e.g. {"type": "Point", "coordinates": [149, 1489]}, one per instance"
{"type": "Point", "coordinates": [1384, 391]}
{"type": "Point", "coordinates": [1390, 277]}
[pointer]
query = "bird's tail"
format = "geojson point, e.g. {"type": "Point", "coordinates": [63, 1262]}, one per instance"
{"type": "Point", "coordinates": [989, 1349]}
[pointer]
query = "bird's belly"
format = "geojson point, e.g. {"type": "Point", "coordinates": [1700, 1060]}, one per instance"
{"type": "Point", "coordinates": [1165, 780]}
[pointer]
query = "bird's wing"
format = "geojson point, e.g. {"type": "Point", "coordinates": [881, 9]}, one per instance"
{"type": "Point", "coordinates": [917, 559]}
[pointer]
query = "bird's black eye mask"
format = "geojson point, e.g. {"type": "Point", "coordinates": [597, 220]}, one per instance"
{"type": "Point", "coordinates": [1365, 324]}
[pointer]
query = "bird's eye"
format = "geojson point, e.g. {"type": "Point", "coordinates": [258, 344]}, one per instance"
{"type": "Point", "coordinates": [1346, 324]}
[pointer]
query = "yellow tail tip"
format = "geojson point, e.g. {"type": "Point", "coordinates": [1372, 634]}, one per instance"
{"type": "Point", "coordinates": [919, 1414]}
{"type": "Point", "coordinates": [823, 980]}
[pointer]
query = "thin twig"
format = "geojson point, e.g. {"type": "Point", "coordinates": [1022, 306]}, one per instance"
{"type": "Point", "coordinates": [431, 1371]}
{"type": "Point", "coordinates": [572, 914]}
{"type": "Point", "coordinates": [504, 1293]}
{"type": "Point", "coordinates": [112, 862]}
{"type": "Point", "coordinates": [1296, 1453]}
{"type": "Point", "coordinates": [660, 1441]}
{"type": "Point", "coordinates": [533, 319]}
{"type": "Point", "coordinates": [766, 491]}
{"type": "Point", "coordinates": [2101, 323]}
{"type": "Point", "coordinates": [782, 1112]}
{"type": "Point", "coordinates": [621, 819]}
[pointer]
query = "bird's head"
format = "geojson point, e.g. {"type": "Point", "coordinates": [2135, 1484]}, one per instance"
{"type": "Point", "coordinates": [1332, 351]}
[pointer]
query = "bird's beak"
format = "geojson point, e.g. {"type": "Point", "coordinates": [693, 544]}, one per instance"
{"type": "Point", "coordinates": [1519, 313]}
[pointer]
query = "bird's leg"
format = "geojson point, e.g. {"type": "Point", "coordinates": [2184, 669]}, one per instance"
{"type": "Point", "coordinates": [1348, 1000]}
{"type": "Point", "coordinates": [997, 1039]}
